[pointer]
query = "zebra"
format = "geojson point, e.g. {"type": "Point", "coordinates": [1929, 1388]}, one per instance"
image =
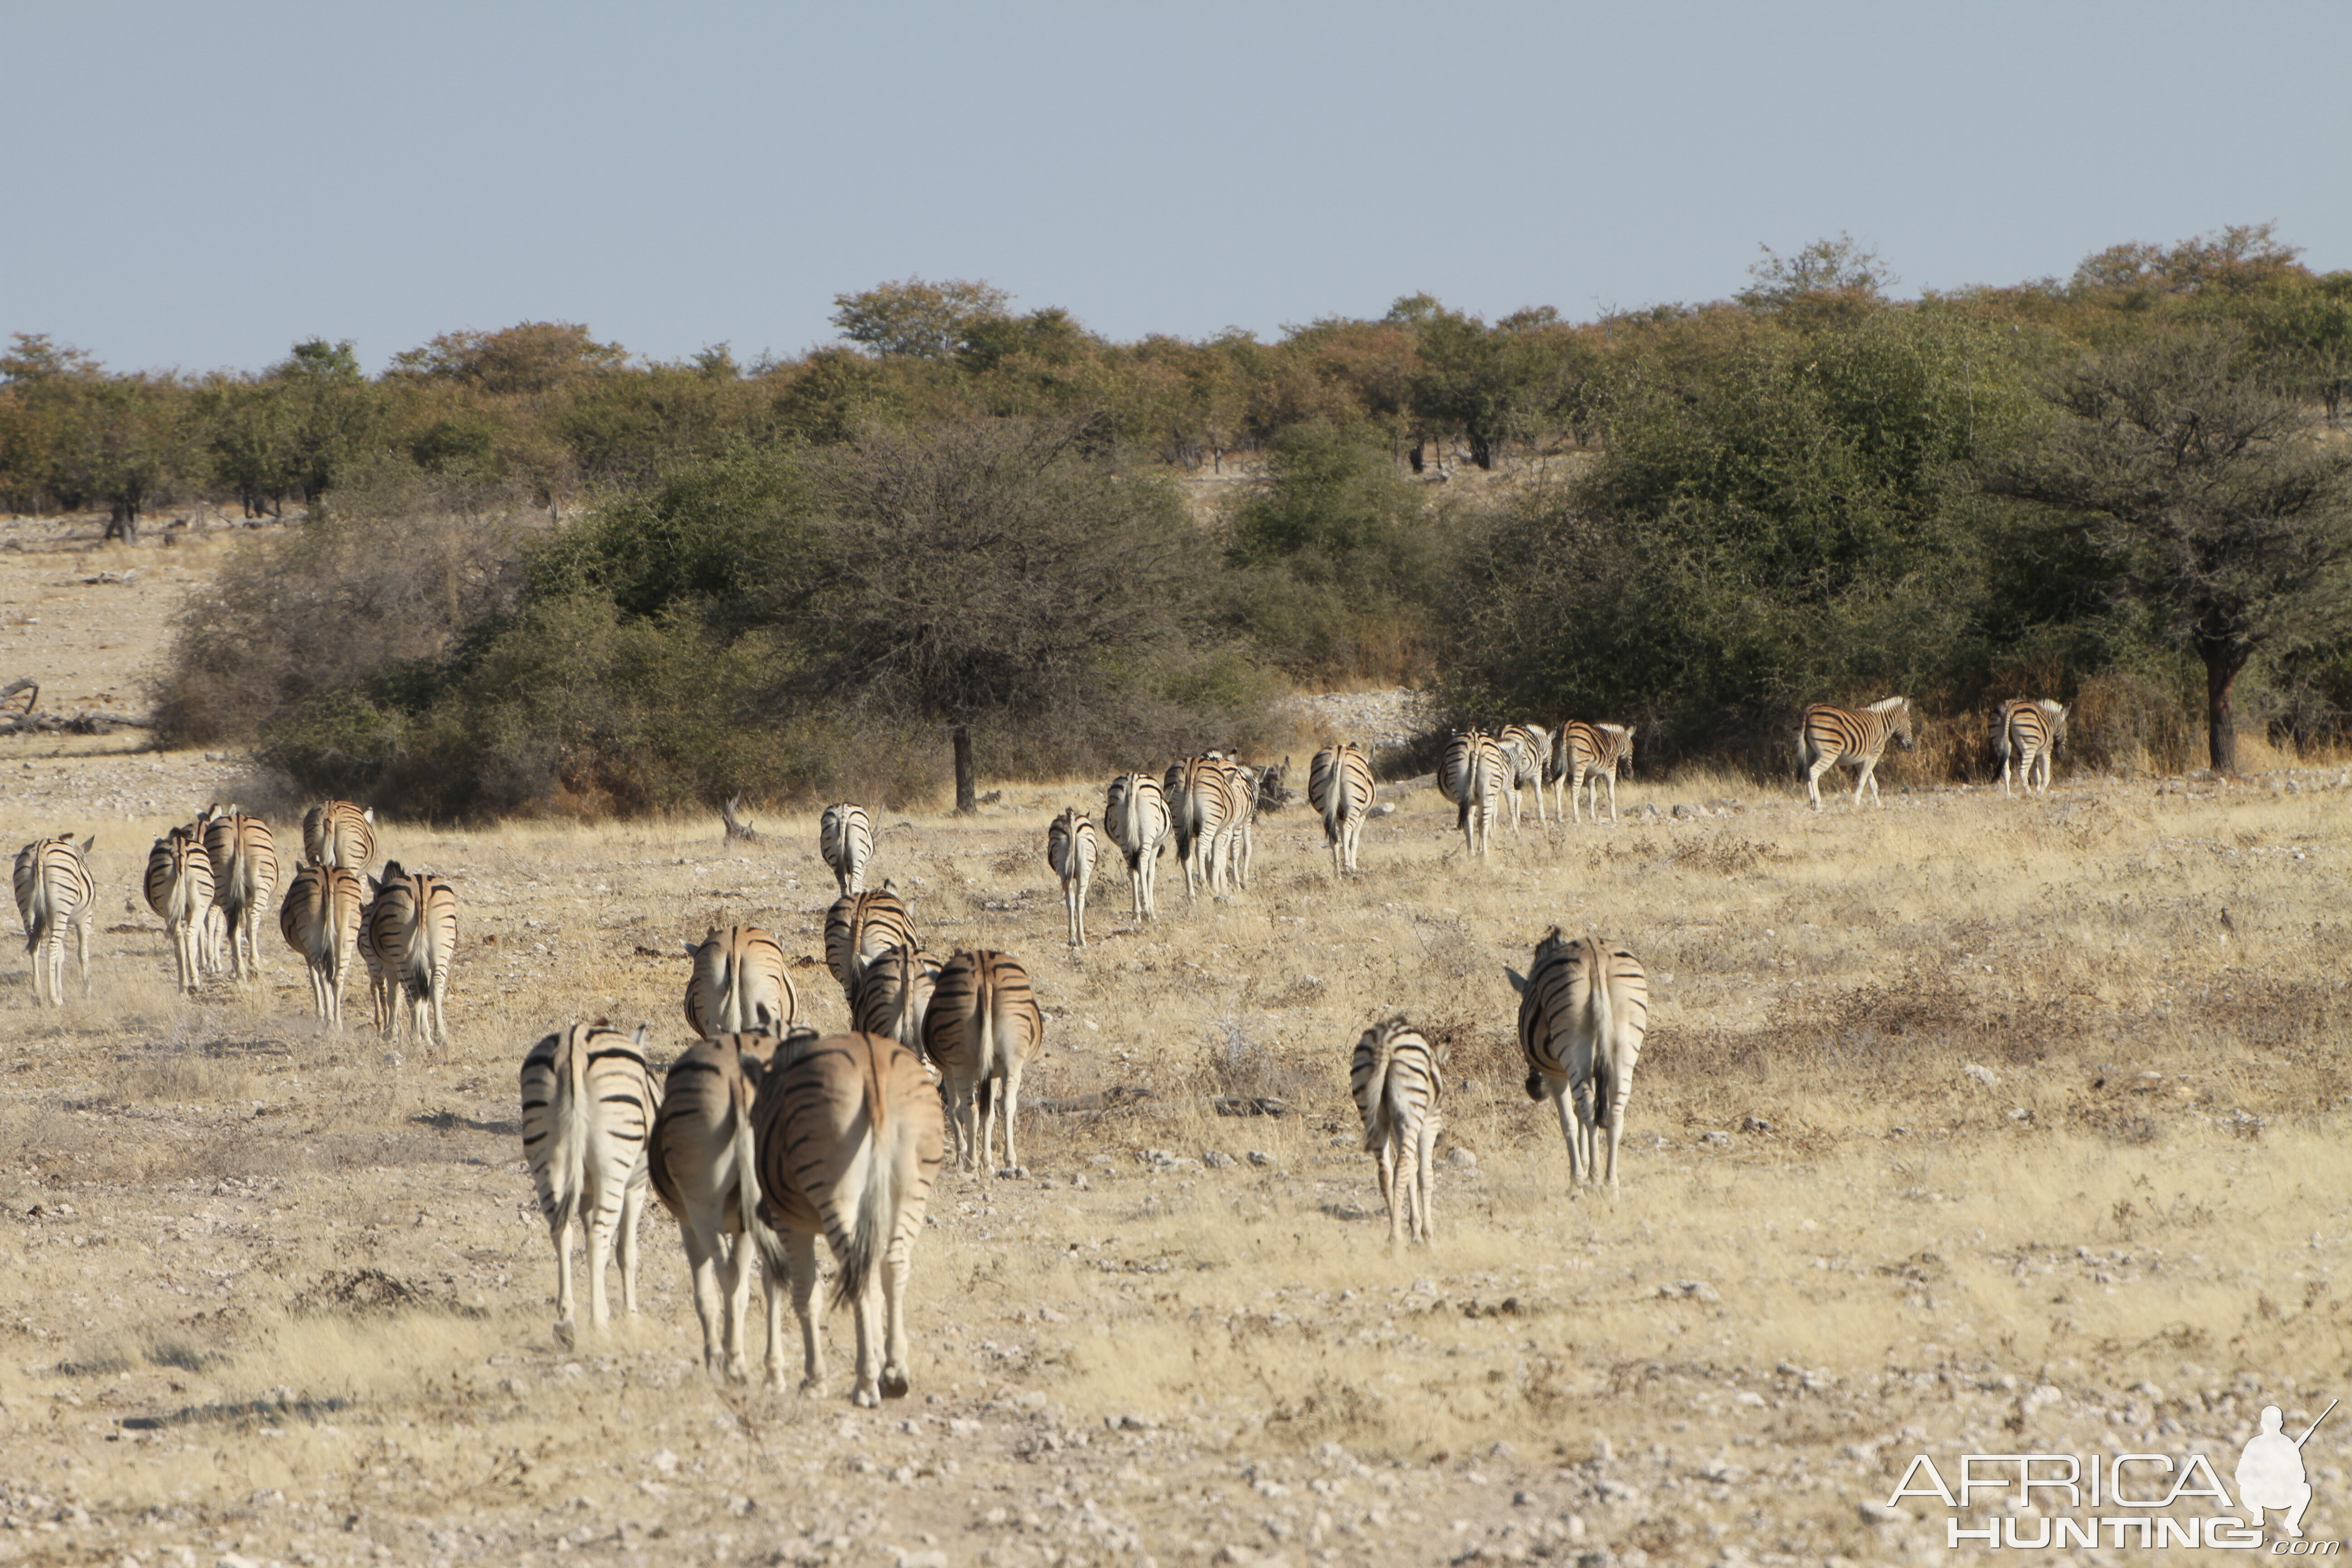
{"type": "Point", "coordinates": [1202, 810]}
{"type": "Point", "coordinates": [738, 982]}
{"type": "Point", "coordinates": [1527, 749]}
{"type": "Point", "coordinates": [412, 936]}
{"type": "Point", "coordinates": [845, 837]}
{"type": "Point", "coordinates": [1591, 753]}
{"type": "Point", "coordinates": [860, 928]}
{"type": "Point", "coordinates": [1398, 1077]}
{"type": "Point", "coordinates": [1830, 736]}
{"type": "Point", "coordinates": [588, 1102]}
{"type": "Point", "coordinates": [338, 833]}
{"type": "Point", "coordinates": [1472, 776]}
{"type": "Point", "coordinates": [1135, 811]}
{"type": "Point", "coordinates": [1339, 788]}
{"type": "Point", "coordinates": [1584, 1006]}
{"type": "Point", "coordinates": [54, 890]}
{"type": "Point", "coordinates": [1234, 850]}
{"type": "Point", "coordinates": [245, 872]}
{"type": "Point", "coordinates": [850, 1138]}
{"type": "Point", "coordinates": [894, 997]}
{"type": "Point", "coordinates": [704, 1166]}
{"type": "Point", "coordinates": [179, 888]}
{"type": "Point", "coordinates": [2030, 732]}
{"type": "Point", "coordinates": [1071, 849]}
{"type": "Point", "coordinates": [320, 921]}
{"type": "Point", "coordinates": [983, 1028]}
{"type": "Point", "coordinates": [214, 925]}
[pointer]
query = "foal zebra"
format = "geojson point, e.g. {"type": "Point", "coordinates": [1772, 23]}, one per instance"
{"type": "Point", "coordinates": [338, 833]}
{"type": "Point", "coordinates": [1398, 1079]}
{"type": "Point", "coordinates": [1135, 813]}
{"type": "Point", "coordinates": [2029, 732]}
{"type": "Point", "coordinates": [738, 982]}
{"type": "Point", "coordinates": [1473, 777]}
{"type": "Point", "coordinates": [845, 837]}
{"type": "Point", "coordinates": [983, 1028]}
{"type": "Point", "coordinates": [320, 921]}
{"type": "Point", "coordinates": [245, 870]}
{"type": "Point", "coordinates": [705, 1169]}
{"type": "Point", "coordinates": [1591, 752]}
{"type": "Point", "coordinates": [179, 888]}
{"type": "Point", "coordinates": [1339, 788]}
{"type": "Point", "coordinates": [54, 890]}
{"type": "Point", "coordinates": [860, 928]}
{"type": "Point", "coordinates": [411, 937]}
{"type": "Point", "coordinates": [1584, 1006]}
{"type": "Point", "coordinates": [894, 996]}
{"type": "Point", "coordinates": [849, 1140]}
{"type": "Point", "coordinates": [1857, 738]}
{"type": "Point", "coordinates": [1071, 849]}
{"type": "Point", "coordinates": [1527, 749]}
{"type": "Point", "coordinates": [588, 1103]}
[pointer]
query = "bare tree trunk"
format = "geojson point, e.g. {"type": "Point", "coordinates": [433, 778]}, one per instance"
{"type": "Point", "coordinates": [2223, 661]}
{"type": "Point", "coordinates": [967, 797]}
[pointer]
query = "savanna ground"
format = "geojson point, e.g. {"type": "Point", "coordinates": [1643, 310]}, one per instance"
{"type": "Point", "coordinates": [1964, 1125]}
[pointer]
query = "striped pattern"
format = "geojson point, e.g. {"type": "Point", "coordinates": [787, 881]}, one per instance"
{"type": "Point", "coordinates": [894, 996]}
{"type": "Point", "coordinates": [245, 873]}
{"type": "Point", "coordinates": [55, 891]}
{"type": "Point", "coordinates": [1473, 775]}
{"type": "Point", "coordinates": [1071, 849]}
{"type": "Point", "coordinates": [1584, 1006]}
{"type": "Point", "coordinates": [1339, 788]}
{"type": "Point", "coordinates": [1587, 753]}
{"type": "Point", "coordinates": [2028, 733]}
{"type": "Point", "coordinates": [983, 1028]}
{"type": "Point", "coordinates": [179, 888]}
{"type": "Point", "coordinates": [1245, 792]}
{"type": "Point", "coordinates": [1202, 812]}
{"type": "Point", "coordinates": [1135, 812]}
{"type": "Point", "coordinates": [860, 928]}
{"type": "Point", "coordinates": [850, 1134]}
{"type": "Point", "coordinates": [704, 1165]}
{"type": "Point", "coordinates": [1398, 1079]}
{"type": "Point", "coordinates": [1527, 749]}
{"type": "Point", "coordinates": [588, 1102]}
{"type": "Point", "coordinates": [338, 833]}
{"type": "Point", "coordinates": [1857, 738]}
{"type": "Point", "coordinates": [320, 922]}
{"type": "Point", "coordinates": [738, 982]}
{"type": "Point", "coordinates": [411, 937]}
{"type": "Point", "coordinates": [845, 837]}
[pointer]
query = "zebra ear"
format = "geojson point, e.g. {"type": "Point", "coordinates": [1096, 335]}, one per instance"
{"type": "Point", "coordinates": [89, 844]}
{"type": "Point", "coordinates": [692, 950]}
{"type": "Point", "coordinates": [639, 1034]}
{"type": "Point", "coordinates": [1519, 980]}
{"type": "Point", "coordinates": [368, 816]}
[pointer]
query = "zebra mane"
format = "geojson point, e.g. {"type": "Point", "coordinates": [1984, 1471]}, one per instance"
{"type": "Point", "coordinates": [1887, 704]}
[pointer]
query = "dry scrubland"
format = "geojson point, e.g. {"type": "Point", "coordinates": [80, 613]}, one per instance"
{"type": "Point", "coordinates": [1960, 1127]}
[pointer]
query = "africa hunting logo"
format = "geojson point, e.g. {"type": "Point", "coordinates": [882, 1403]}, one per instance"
{"type": "Point", "coordinates": [2137, 1488]}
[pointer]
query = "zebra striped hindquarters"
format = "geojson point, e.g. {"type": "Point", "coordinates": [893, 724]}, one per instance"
{"type": "Point", "coordinates": [1526, 752]}
{"type": "Point", "coordinates": [338, 833]}
{"type": "Point", "coordinates": [1242, 787]}
{"type": "Point", "coordinates": [1584, 1006]}
{"type": "Point", "coordinates": [1202, 810]}
{"type": "Point", "coordinates": [861, 927]}
{"type": "Point", "coordinates": [1473, 777]}
{"type": "Point", "coordinates": [850, 1133]}
{"type": "Point", "coordinates": [1398, 1080]}
{"type": "Point", "coordinates": [894, 997]}
{"type": "Point", "coordinates": [983, 1028]}
{"type": "Point", "coordinates": [2029, 732]}
{"type": "Point", "coordinates": [179, 888]}
{"type": "Point", "coordinates": [245, 873]}
{"type": "Point", "coordinates": [1135, 813]}
{"type": "Point", "coordinates": [1857, 738]}
{"type": "Point", "coordinates": [1339, 788]}
{"type": "Point", "coordinates": [739, 983]}
{"type": "Point", "coordinates": [55, 891]}
{"type": "Point", "coordinates": [845, 837]}
{"type": "Point", "coordinates": [320, 921]}
{"type": "Point", "coordinates": [409, 939]}
{"type": "Point", "coordinates": [1071, 849]}
{"type": "Point", "coordinates": [588, 1103]}
{"type": "Point", "coordinates": [705, 1168]}
{"type": "Point", "coordinates": [1588, 753]}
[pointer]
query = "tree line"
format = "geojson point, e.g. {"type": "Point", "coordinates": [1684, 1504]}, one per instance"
{"type": "Point", "coordinates": [2125, 489]}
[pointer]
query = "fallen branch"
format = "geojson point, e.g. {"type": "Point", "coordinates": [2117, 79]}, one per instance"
{"type": "Point", "coordinates": [737, 827]}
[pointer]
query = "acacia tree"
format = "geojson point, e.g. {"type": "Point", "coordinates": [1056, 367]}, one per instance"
{"type": "Point", "coordinates": [2205, 489]}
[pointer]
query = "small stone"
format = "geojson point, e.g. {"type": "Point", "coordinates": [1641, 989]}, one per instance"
{"type": "Point", "coordinates": [1983, 1075]}
{"type": "Point", "coordinates": [1382, 809]}
{"type": "Point", "coordinates": [1684, 811]}
{"type": "Point", "coordinates": [1217, 1159]}
{"type": "Point", "coordinates": [1260, 1158]}
{"type": "Point", "coordinates": [1688, 1291]}
{"type": "Point", "coordinates": [1874, 1512]}
{"type": "Point", "coordinates": [1754, 1124]}
{"type": "Point", "coordinates": [1461, 1159]}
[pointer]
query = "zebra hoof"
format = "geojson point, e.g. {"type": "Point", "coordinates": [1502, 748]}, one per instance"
{"type": "Point", "coordinates": [895, 1382]}
{"type": "Point", "coordinates": [865, 1398]}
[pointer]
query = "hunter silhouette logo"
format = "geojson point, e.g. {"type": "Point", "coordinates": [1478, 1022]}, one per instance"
{"type": "Point", "coordinates": [2270, 1472]}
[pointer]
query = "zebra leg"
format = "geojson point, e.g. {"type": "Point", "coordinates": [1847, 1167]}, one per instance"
{"type": "Point", "coordinates": [735, 1289]}
{"type": "Point", "coordinates": [867, 1310]}
{"type": "Point", "coordinates": [1570, 1133]}
{"type": "Point", "coordinates": [559, 1230]}
{"type": "Point", "coordinates": [712, 1282]}
{"type": "Point", "coordinates": [81, 938]}
{"type": "Point", "coordinates": [896, 1266]}
{"type": "Point", "coordinates": [775, 1279]}
{"type": "Point", "coordinates": [1612, 799]}
{"type": "Point", "coordinates": [1813, 773]}
{"type": "Point", "coordinates": [801, 1248]}
{"type": "Point", "coordinates": [1867, 779]}
{"type": "Point", "coordinates": [1384, 1163]}
{"type": "Point", "coordinates": [1423, 1177]}
{"type": "Point", "coordinates": [1011, 1102]}
{"type": "Point", "coordinates": [600, 1253]}
{"type": "Point", "coordinates": [632, 1212]}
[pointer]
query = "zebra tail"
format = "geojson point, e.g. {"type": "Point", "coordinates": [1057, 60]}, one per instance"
{"type": "Point", "coordinates": [877, 1199]}
{"type": "Point", "coordinates": [747, 1163]}
{"type": "Point", "coordinates": [1379, 1115]}
{"type": "Point", "coordinates": [572, 1133]}
{"type": "Point", "coordinates": [1604, 1029]}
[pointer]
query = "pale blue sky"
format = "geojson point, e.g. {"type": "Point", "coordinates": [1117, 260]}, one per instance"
{"type": "Point", "coordinates": [199, 184]}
